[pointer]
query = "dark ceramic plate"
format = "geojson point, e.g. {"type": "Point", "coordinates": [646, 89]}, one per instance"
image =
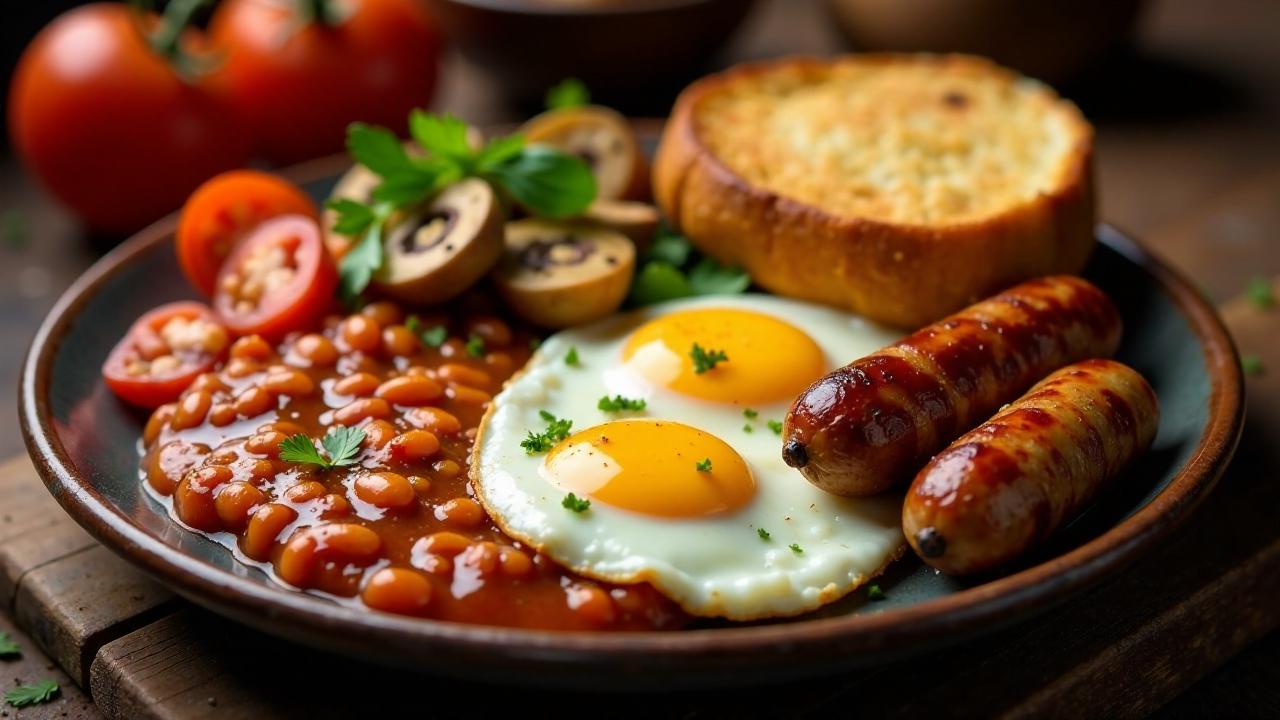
{"type": "Point", "coordinates": [84, 444]}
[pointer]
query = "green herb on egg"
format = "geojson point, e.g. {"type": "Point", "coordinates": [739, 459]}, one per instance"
{"type": "Point", "coordinates": [764, 534]}
{"type": "Point", "coordinates": [704, 465]}
{"type": "Point", "coordinates": [704, 360]}
{"type": "Point", "coordinates": [617, 403]}
{"type": "Point", "coordinates": [575, 503]}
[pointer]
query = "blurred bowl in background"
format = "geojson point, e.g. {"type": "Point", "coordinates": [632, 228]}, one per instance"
{"type": "Point", "coordinates": [1053, 40]}
{"type": "Point", "coordinates": [626, 51]}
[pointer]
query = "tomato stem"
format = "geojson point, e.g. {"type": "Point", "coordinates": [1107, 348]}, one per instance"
{"type": "Point", "coordinates": [177, 16]}
{"type": "Point", "coordinates": [324, 12]}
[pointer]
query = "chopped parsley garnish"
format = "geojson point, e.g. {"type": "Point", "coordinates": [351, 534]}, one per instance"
{"type": "Point", "coordinates": [556, 431]}
{"type": "Point", "coordinates": [750, 414]}
{"type": "Point", "coordinates": [475, 346]}
{"type": "Point", "coordinates": [433, 336]}
{"type": "Point", "coordinates": [571, 357]}
{"type": "Point", "coordinates": [875, 593]}
{"type": "Point", "coordinates": [342, 445]}
{"type": "Point", "coordinates": [546, 181]}
{"type": "Point", "coordinates": [1252, 365]}
{"type": "Point", "coordinates": [568, 93]}
{"type": "Point", "coordinates": [775, 426]}
{"type": "Point", "coordinates": [617, 403]}
{"type": "Point", "coordinates": [25, 695]}
{"type": "Point", "coordinates": [747, 428]}
{"type": "Point", "coordinates": [575, 503]}
{"type": "Point", "coordinates": [704, 360]}
{"type": "Point", "coordinates": [1260, 293]}
{"type": "Point", "coordinates": [795, 548]}
{"type": "Point", "coordinates": [8, 648]}
{"type": "Point", "coordinates": [764, 534]}
{"type": "Point", "coordinates": [704, 465]}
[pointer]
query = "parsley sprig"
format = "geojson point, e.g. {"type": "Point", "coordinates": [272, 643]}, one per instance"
{"type": "Point", "coordinates": [341, 444]}
{"type": "Point", "coordinates": [9, 648]}
{"type": "Point", "coordinates": [557, 430]}
{"type": "Point", "coordinates": [571, 358]}
{"type": "Point", "coordinates": [704, 359]}
{"type": "Point", "coordinates": [568, 93]}
{"type": "Point", "coordinates": [575, 503]}
{"type": "Point", "coordinates": [433, 336]}
{"type": "Point", "coordinates": [1260, 293]}
{"type": "Point", "coordinates": [544, 180]}
{"type": "Point", "coordinates": [25, 695]}
{"type": "Point", "coordinates": [671, 270]}
{"type": "Point", "coordinates": [617, 403]}
{"type": "Point", "coordinates": [764, 534]}
{"type": "Point", "coordinates": [775, 426]}
{"type": "Point", "coordinates": [795, 548]}
{"type": "Point", "coordinates": [704, 465]}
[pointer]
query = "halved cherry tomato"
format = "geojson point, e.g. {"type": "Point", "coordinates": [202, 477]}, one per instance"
{"type": "Point", "coordinates": [163, 352]}
{"type": "Point", "coordinates": [221, 212]}
{"type": "Point", "coordinates": [279, 279]}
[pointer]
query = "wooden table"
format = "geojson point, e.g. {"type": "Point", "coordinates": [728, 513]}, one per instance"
{"type": "Point", "coordinates": [1188, 161]}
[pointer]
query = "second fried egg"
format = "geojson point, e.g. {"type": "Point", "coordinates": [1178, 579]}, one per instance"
{"type": "Point", "coordinates": [645, 448]}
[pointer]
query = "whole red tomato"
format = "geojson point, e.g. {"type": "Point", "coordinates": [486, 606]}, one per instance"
{"type": "Point", "coordinates": [301, 70]}
{"type": "Point", "coordinates": [109, 125]}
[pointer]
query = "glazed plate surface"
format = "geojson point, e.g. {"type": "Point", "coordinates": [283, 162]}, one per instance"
{"type": "Point", "coordinates": [84, 444]}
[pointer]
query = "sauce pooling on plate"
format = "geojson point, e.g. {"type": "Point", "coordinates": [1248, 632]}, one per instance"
{"type": "Point", "coordinates": [337, 461]}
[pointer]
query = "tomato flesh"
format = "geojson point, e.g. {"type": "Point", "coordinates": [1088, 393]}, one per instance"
{"type": "Point", "coordinates": [279, 279]}
{"type": "Point", "coordinates": [221, 212]}
{"type": "Point", "coordinates": [163, 353]}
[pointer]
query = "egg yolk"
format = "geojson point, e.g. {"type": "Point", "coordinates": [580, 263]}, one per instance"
{"type": "Point", "coordinates": [653, 467]}
{"type": "Point", "coordinates": [748, 357]}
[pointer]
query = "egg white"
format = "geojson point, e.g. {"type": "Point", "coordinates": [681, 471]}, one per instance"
{"type": "Point", "coordinates": [711, 566]}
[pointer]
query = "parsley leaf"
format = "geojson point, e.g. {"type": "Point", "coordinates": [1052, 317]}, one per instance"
{"type": "Point", "coordinates": [549, 182]}
{"type": "Point", "coordinates": [704, 465]}
{"type": "Point", "coordinates": [775, 426]}
{"type": "Point", "coordinates": [704, 360]}
{"type": "Point", "coordinates": [8, 648]}
{"type": "Point", "coordinates": [443, 135]}
{"type": "Point", "coordinates": [353, 217]}
{"type": "Point", "coordinates": [1260, 293]}
{"type": "Point", "coordinates": [709, 277]}
{"type": "Point", "coordinates": [475, 346]}
{"type": "Point", "coordinates": [378, 149]}
{"type": "Point", "coordinates": [669, 246]}
{"type": "Point", "coordinates": [764, 534]}
{"type": "Point", "coordinates": [571, 358]}
{"type": "Point", "coordinates": [568, 93]}
{"type": "Point", "coordinates": [617, 403]}
{"type": "Point", "coordinates": [750, 413]}
{"type": "Point", "coordinates": [342, 445]}
{"type": "Point", "coordinates": [575, 503]}
{"type": "Point", "coordinates": [25, 695]}
{"type": "Point", "coordinates": [433, 336]}
{"type": "Point", "coordinates": [1252, 365]}
{"type": "Point", "coordinates": [795, 548]}
{"type": "Point", "coordinates": [658, 282]}
{"type": "Point", "coordinates": [363, 260]}
{"type": "Point", "coordinates": [746, 427]}
{"type": "Point", "coordinates": [556, 431]}
{"type": "Point", "coordinates": [875, 593]}
{"type": "Point", "coordinates": [498, 151]}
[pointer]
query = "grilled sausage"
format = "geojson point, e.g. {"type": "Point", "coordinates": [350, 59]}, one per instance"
{"type": "Point", "coordinates": [1004, 487]}
{"type": "Point", "coordinates": [872, 424]}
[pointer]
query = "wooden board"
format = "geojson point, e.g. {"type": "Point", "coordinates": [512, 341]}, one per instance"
{"type": "Point", "coordinates": [1123, 649]}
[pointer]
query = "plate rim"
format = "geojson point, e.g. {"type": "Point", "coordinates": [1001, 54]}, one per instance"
{"type": "Point", "coordinates": [302, 616]}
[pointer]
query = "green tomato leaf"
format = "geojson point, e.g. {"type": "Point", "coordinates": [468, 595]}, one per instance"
{"type": "Point", "coordinates": [377, 149]}
{"type": "Point", "coordinates": [658, 282]}
{"type": "Point", "coordinates": [547, 181]}
{"type": "Point", "coordinates": [568, 93]}
{"type": "Point", "coordinates": [709, 277]}
{"type": "Point", "coordinates": [443, 135]}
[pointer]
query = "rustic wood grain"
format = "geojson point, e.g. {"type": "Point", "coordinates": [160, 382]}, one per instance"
{"type": "Point", "coordinates": [73, 605]}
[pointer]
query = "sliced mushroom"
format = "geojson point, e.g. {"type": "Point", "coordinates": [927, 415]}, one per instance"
{"type": "Point", "coordinates": [636, 220]}
{"type": "Point", "coordinates": [435, 253]}
{"type": "Point", "coordinates": [604, 140]}
{"type": "Point", "coordinates": [562, 273]}
{"type": "Point", "coordinates": [358, 184]}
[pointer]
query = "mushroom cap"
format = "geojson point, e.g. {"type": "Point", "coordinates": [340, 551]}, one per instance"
{"type": "Point", "coordinates": [603, 139]}
{"type": "Point", "coordinates": [558, 273]}
{"type": "Point", "coordinates": [435, 252]}
{"type": "Point", "coordinates": [636, 220]}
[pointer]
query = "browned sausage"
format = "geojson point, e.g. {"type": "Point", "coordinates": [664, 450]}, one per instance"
{"type": "Point", "coordinates": [1005, 486]}
{"type": "Point", "coordinates": [873, 423]}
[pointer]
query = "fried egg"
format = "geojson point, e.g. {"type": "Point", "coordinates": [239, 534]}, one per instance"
{"type": "Point", "coordinates": [688, 492]}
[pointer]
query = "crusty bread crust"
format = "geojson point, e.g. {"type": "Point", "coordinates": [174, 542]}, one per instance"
{"type": "Point", "coordinates": [896, 273]}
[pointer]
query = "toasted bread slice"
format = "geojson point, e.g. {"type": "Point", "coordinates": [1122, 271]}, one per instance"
{"type": "Point", "coordinates": [902, 187]}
